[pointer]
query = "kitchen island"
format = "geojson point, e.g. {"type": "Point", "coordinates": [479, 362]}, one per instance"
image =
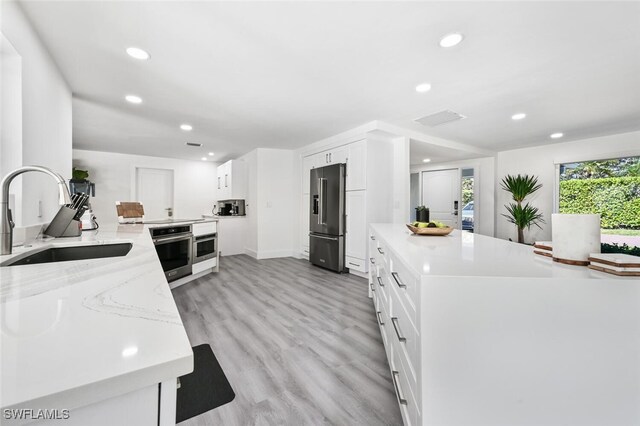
{"type": "Point", "coordinates": [480, 331]}
{"type": "Point", "coordinates": [101, 338]}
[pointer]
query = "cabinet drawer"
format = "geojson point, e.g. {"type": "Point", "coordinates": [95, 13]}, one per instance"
{"type": "Point", "coordinates": [355, 263]}
{"type": "Point", "coordinates": [405, 336]}
{"type": "Point", "coordinates": [204, 228]}
{"type": "Point", "coordinates": [381, 282]}
{"type": "Point", "coordinates": [406, 400]}
{"type": "Point", "coordinates": [382, 317]}
{"type": "Point", "coordinates": [405, 283]}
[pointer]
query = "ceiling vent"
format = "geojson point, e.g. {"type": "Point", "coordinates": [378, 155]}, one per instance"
{"type": "Point", "coordinates": [193, 144]}
{"type": "Point", "coordinates": [439, 118]}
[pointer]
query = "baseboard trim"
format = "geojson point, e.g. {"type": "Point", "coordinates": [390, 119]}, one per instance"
{"type": "Point", "coordinates": [274, 254]}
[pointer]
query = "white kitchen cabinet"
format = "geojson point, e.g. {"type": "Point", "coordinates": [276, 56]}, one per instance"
{"type": "Point", "coordinates": [304, 221]}
{"type": "Point", "coordinates": [369, 160]}
{"type": "Point", "coordinates": [137, 408]}
{"type": "Point", "coordinates": [231, 180]}
{"type": "Point", "coordinates": [231, 235]}
{"type": "Point", "coordinates": [357, 166]}
{"type": "Point", "coordinates": [356, 237]}
{"type": "Point", "coordinates": [308, 163]}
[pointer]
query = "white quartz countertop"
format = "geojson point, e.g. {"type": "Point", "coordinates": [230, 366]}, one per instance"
{"type": "Point", "coordinates": [466, 254]}
{"type": "Point", "coordinates": [77, 332]}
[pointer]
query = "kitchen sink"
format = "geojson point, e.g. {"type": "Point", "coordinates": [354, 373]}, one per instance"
{"type": "Point", "coordinates": [65, 254]}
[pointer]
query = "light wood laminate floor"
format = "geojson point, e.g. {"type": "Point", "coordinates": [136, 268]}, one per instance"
{"type": "Point", "coordinates": [299, 345]}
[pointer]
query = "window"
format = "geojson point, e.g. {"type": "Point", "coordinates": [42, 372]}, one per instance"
{"type": "Point", "coordinates": [610, 188]}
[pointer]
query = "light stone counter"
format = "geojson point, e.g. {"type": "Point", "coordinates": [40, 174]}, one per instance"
{"type": "Point", "coordinates": [73, 333]}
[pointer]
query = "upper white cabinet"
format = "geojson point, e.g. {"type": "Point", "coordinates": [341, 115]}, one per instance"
{"type": "Point", "coordinates": [231, 180]}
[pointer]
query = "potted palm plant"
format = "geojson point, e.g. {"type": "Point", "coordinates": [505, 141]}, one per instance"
{"type": "Point", "coordinates": [523, 216]}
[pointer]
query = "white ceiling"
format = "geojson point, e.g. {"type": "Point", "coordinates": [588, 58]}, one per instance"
{"type": "Point", "coordinates": [286, 74]}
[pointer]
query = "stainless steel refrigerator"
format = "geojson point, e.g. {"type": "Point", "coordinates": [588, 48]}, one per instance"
{"type": "Point", "coordinates": [327, 220]}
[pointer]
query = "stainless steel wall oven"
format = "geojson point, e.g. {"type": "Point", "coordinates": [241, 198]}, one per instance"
{"type": "Point", "coordinates": [174, 247]}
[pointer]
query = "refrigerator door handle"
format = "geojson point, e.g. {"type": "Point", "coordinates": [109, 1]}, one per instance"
{"type": "Point", "coordinates": [323, 238]}
{"type": "Point", "coordinates": [321, 218]}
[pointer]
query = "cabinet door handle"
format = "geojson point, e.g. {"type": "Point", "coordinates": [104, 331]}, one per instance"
{"type": "Point", "coordinates": [329, 157]}
{"type": "Point", "coordinates": [372, 237]}
{"type": "Point", "coordinates": [401, 399]}
{"type": "Point", "coordinates": [218, 182]}
{"type": "Point", "coordinates": [225, 180]}
{"type": "Point", "coordinates": [397, 278]}
{"type": "Point", "coordinates": [354, 264]}
{"type": "Point", "coordinates": [326, 158]}
{"type": "Point", "coordinates": [380, 281]}
{"type": "Point", "coordinates": [379, 318]}
{"type": "Point", "coordinates": [372, 260]}
{"type": "Point", "coordinates": [380, 250]}
{"type": "Point", "coordinates": [371, 285]}
{"type": "Point", "coordinates": [394, 321]}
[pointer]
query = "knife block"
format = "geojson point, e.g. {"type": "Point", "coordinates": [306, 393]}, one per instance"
{"type": "Point", "coordinates": [63, 224]}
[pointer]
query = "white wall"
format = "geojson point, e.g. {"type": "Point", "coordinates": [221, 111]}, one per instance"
{"type": "Point", "coordinates": [251, 233]}
{"type": "Point", "coordinates": [484, 196]}
{"type": "Point", "coordinates": [275, 205]}
{"type": "Point", "coordinates": [114, 176]}
{"type": "Point", "coordinates": [46, 119]}
{"type": "Point", "coordinates": [540, 161]}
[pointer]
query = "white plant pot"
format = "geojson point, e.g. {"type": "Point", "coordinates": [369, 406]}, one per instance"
{"type": "Point", "coordinates": [574, 237]}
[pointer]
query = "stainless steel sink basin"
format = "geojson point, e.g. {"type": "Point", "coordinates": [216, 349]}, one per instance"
{"type": "Point", "coordinates": [65, 254]}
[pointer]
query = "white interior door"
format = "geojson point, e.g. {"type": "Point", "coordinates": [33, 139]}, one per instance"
{"type": "Point", "coordinates": [440, 193]}
{"type": "Point", "coordinates": [154, 189]}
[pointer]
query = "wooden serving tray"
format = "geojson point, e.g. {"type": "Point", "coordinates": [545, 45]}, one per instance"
{"type": "Point", "coordinates": [430, 231]}
{"type": "Point", "coordinates": [611, 271]}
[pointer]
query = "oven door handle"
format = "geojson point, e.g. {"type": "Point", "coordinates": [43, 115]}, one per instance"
{"type": "Point", "coordinates": [202, 240]}
{"type": "Point", "coordinates": [158, 241]}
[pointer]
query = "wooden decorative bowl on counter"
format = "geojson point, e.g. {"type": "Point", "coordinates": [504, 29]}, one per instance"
{"type": "Point", "coordinates": [430, 231]}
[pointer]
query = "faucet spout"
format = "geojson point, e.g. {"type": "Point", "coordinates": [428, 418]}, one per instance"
{"type": "Point", "coordinates": [6, 220]}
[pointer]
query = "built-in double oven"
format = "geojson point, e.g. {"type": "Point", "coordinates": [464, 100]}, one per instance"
{"type": "Point", "coordinates": [174, 245]}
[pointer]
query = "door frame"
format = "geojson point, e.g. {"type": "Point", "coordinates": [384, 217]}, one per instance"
{"type": "Point", "coordinates": [134, 182]}
{"type": "Point", "coordinates": [476, 190]}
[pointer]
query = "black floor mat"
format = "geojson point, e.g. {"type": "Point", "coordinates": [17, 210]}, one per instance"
{"type": "Point", "coordinates": [204, 389]}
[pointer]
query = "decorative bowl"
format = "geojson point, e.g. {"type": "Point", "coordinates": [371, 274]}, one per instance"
{"type": "Point", "coordinates": [430, 231]}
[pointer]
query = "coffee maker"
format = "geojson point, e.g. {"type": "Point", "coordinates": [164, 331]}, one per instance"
{"type": "Point", "coordinates": [231, 208]}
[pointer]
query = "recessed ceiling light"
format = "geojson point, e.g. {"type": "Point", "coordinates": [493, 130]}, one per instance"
{"type": "Point", "coordinates": [133, 99]}
{"type": "Point", "coordinates": [426, 160]}
{"type": "Point", "coordinates": [518, 116]}
{"type": "Point", "coordinates": [211, 154]}
{"type": "Point", "coordinates": [451, 40]}
{"type": "Point", "coordinates": [423, 87]}
{"type": "Point", "coordinates": [204, 158]}
{"type": "Point", "coordinates": [186, 127]}
{"type": "Point", "coordinates": [556, 135]}
{"type": "Point", "coordinates": [136, 52]}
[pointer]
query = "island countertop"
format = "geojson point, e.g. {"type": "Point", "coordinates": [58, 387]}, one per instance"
{"type": "Point", "coordinates": [464, 254]}
{"type": "Point", "coordinates": [78, 332]}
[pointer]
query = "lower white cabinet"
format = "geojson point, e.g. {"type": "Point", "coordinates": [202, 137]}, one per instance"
{"type": "Point", "coordinates": [150, 406]}
{"type": "Point", "coordinates": [356, 237]}
{"type": "Point", "coordinates": [304, 220]}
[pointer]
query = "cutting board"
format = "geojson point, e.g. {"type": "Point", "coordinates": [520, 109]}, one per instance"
{"type": "Point", "coordinates": [129, 211]}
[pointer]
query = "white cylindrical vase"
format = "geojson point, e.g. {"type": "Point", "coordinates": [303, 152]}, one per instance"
{"type": "Point", "coordinates": [574, 237]}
